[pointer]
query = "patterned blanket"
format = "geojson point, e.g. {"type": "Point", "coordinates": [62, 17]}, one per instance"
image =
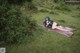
{"type": "Point", "coordinates": [66, 33]}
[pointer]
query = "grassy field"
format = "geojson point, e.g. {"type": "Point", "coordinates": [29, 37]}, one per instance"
{"type": "Point", "coordinates": [19, 34]}
{"type": "Point", "coordinates": [48, 41]}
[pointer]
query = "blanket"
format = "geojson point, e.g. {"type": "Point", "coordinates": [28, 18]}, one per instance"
{"type": "Point", "coordinates": [65, 33]}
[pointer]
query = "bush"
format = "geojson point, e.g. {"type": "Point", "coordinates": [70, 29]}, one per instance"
{"type": "Point", "coordinates": [63, 21]}
{"type": "Point", "coordinates": [13, 26]}
{"type": "Point", "coordinates": [62, 7]}
{"type": "Point", "coordinates": [44, 10]}
{"type": "Point", "coordinates": [53, 12]}
{"type": "Point", "coordinates": [78, 8]}
{"type": "Point", "coordinates": [55, 1]}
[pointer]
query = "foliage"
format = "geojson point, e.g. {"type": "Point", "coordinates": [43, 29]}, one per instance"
{"type": "Point", "coordinates": [62, 7]}
{"type": "Point", "coordinates": [43, 10]}
{"type": "Point", "coordinates": [18, 1]}
{"type": "Point", "coordinates": [13, 25]}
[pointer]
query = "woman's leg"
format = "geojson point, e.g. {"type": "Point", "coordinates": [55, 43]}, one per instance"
{"type": "Point", "coordinates": [54, 26]}
{"type": "Point", "coordinates": [59, 27]}
{"type": "Point", "coordinates": [62, 28]}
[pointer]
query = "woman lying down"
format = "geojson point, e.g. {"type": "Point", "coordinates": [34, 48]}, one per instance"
{"type": "Point", "coordinates": [50, 24]}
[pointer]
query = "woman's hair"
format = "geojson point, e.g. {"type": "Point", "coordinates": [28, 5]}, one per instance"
{"type": "Point", "coordinates": [47, 18]}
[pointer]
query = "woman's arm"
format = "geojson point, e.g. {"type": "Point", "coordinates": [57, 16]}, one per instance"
{"type": "Point", "coordinates": [47, 23]}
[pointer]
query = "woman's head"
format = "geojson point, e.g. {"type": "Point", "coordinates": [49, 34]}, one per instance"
{"type": "Point", "coordinates": [47, 18]}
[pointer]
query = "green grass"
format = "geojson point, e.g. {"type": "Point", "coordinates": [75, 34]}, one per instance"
{"type": "Point", "coordinates": [49, 41]}
{"type": "Point", "coordinates": [45, 41]}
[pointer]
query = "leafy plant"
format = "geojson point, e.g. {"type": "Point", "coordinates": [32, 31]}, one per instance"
{"type": "Point", "coordinates": [13, 26]}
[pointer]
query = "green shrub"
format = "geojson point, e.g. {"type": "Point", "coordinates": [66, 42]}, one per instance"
{"type": "Point", "coordinates": [43, 10]}
{"type": "Point", "coordinates": [13, 26]}
{"type": "Point", "coordinates": [63, 21]}
{"type": "Point", "coordinates": [55, 1]}
{"type": "Point", "coordinates": [62, 7]}
{"type": "Point", "coordinates": [78, 8]}
{"type": "Point", "coordinates": [53, 12]}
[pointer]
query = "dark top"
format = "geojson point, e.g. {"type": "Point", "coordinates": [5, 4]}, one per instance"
{"type": "Point", "coordinates": [50, 24]}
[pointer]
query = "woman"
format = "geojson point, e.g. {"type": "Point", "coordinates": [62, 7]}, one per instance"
{"type": "Point", "coordinates": [53, 25]}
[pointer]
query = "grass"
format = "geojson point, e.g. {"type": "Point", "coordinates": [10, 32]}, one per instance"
{"type": "Point", "coordinates": [45, 41]}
